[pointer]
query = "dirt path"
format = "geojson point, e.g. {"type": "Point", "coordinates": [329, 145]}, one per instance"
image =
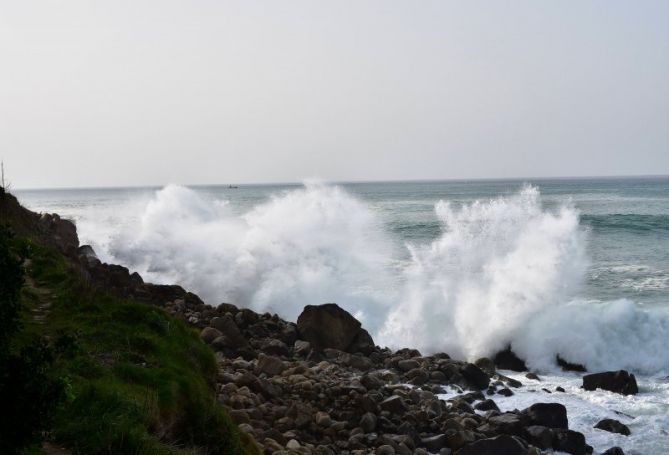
{"type": "Point", "coordinates": [42, 296]}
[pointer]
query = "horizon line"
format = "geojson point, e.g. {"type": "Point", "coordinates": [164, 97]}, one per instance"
{"type": "Point", "coordinates": [344, 182]}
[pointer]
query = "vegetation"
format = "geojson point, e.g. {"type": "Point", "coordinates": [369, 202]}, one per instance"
{"type": "Point", "coordinates": [116, 376]}
{"type": "Point", "coordinates": [29, 392]}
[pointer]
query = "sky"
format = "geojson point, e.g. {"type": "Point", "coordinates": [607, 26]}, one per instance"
{"type": "Point", "coordinates": [150, 92]}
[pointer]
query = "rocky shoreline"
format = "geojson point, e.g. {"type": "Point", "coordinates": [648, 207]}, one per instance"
{"type": "Point", "coordinates": [321, 386]}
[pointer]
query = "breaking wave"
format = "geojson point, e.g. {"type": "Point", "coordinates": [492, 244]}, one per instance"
{"type": "Point", "coordinates": [504, 271]}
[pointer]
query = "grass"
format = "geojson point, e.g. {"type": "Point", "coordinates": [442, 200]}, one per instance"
{"type": "Point", "coordinates": [138, 381]}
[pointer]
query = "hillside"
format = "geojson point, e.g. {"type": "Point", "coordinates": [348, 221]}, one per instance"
{"type": "Point", "coordinates": [123, 375]}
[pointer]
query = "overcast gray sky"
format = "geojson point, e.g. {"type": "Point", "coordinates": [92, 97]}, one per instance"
{"type": "Point", "coordinates": [139, 92]}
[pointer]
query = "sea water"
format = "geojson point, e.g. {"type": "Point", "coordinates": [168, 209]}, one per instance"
{"type": "Point", "coordinates": [576, 267]}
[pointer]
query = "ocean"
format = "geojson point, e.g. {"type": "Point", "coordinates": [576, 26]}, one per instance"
{"type": "Point", "coordinates": [576, 267]}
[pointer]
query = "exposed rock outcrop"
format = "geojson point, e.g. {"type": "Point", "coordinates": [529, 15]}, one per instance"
{"type": "Point", "coordinates": [329, 326]}
{"type": "Point", "coordinates": [614, 381]}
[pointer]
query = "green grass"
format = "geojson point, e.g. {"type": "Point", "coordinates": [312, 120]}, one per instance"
{"type": "Point", "coordinates": [138, 380]}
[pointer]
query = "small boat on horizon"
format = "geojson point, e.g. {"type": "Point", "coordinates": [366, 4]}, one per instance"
{"type": "Point", "coordinates": [233, 186]}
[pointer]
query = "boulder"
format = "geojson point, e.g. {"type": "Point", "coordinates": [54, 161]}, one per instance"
{"type": "Point", "coordinates": [500, 445]}
{"type": "Point", "coordinates": [613, 426]}
{"type": "Point", "coordinates": [328, 326]}
{"type": "Point", "coordinates": [551, 415]}
{"type": "Point", "coordinates": [508, 360]}
{"type": "Point", "coordinates": [614, 381]}
{"type": "Point", "coordinates": [474, 376]}
{"type": "Point", "coordinates": [614, 451]}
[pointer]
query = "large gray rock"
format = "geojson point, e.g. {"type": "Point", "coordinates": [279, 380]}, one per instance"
{"type": "Point", "coordinates": [329, 326]}
{"type": "Point", "coordinates": [614, 381]}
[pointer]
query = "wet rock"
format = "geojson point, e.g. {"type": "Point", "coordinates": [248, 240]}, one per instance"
{"type": "Point", "coordinates": [532, 376]}
{"type": "Point", "coordinates": [559, 389]}
{"type": "Point", "coordinates": [613, 426]}
{"type": "Point", "coordinates": [614, 451]}
{"type": "Point", "coordinates": [568, 366]}
{"type": "Point", "coordinates": [505, 392]}
{"type": "Point", "coordinates": [614, 381]}
{"type": "Point", "coordinates": [487, 365]}
{"type": "Point", "coordinates": [551, 415]}
{"type": "Point", "coordinates": [571, 442]}
{"type": "Point", "coordinates": [486, 405]}
{"type": "Point", "coordinates": [394, 405]}
{"type": "Point", "coordinates": [508, 360]}
{"type": "Point", "coordinates": [508, 381]}
{"type": "Point", "coordinates": [475, 376]}
{"type": "Point", "coordinates": [508, 423]}
{"type": "Point", "coordinates": [500, 445]}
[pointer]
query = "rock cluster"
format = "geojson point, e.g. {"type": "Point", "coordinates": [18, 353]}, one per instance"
{"type": "Point", "coordinates": [296, 393]}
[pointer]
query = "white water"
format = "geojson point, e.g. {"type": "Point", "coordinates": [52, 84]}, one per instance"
{"type": "Point", "coordinates": [646, 414]}
{"type": "Point", "coordinates": [503, 271]}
